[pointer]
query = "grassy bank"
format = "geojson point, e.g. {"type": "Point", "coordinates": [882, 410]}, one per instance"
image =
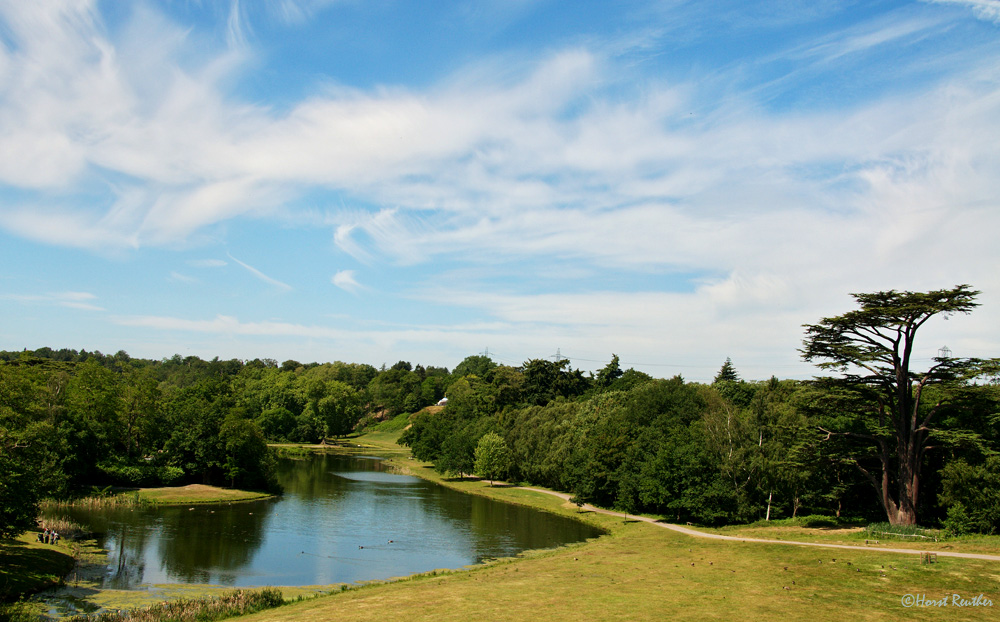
{"type": "Point", "coordinates": [644, 572]}
{"type": "Point", "coordinates": [27, 566]}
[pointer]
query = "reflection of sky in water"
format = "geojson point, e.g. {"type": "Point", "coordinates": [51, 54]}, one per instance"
{"type": "Point", "coordinates": [340, 520]}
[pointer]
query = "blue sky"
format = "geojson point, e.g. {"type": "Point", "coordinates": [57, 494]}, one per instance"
{"type": "Point", "coordinates": [373, 181]}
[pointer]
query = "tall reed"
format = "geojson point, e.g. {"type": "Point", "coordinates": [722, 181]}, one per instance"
{"type": "Point", "coordinates": [129, 499]}
{"type": "Point", "coordinates": [64, 526]}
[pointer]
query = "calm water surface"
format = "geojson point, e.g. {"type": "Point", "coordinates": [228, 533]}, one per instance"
{"type": "Point", "coordinates": [341, 519]}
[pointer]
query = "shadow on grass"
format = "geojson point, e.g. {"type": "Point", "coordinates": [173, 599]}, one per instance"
{"type": "Point", "coordinates": [27, 568]}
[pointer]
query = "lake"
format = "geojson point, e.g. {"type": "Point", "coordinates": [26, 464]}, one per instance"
{"type": "Point", "coordinates": [342, 519]}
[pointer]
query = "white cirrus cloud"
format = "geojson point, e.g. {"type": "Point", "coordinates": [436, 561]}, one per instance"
{"type": "Point", "coordinates": [984, 9]}
{"type": "Point", "coordinates": [346, 280]}
{"type": "Point", "coordinates": [70, 299]}
{"type": "Point", "coordinates": [263, 277]}
{"type": "Point", "coordinates": [207, 263]}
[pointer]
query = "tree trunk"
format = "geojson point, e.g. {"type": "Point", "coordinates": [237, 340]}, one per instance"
{"type": "Point", "coordinates": [769, 495]}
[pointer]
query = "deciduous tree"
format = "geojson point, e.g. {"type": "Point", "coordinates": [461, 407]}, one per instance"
{"type": "Point", "coordinates": [492, 456]}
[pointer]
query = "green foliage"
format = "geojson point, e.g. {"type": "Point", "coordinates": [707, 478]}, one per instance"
{"type": "Point", "coordinates": [248, 462]}
{"type": "Point", "coordinates": [277, 423]}
{"type": "Point", "coordinates": [971, 495]}
{"type": "Point", "coordinates": [30, 464]}
{"type": "Point", "coordinates": [338, 409]}
{"type": "Point", "coordinates": [607, 375]}
{"type": "Point", "coordinates": [727, 373]}
{"type": "Point", "coordinates": [545, 380]}
{"type": "Point", "coordinates": [19, 611]}
{"type": "Point", "coordinates": [959, 522]}
{"type": "Point", "coordinates": [120, 473]}
{"type": "Point", "coordinates": [18, 493]}
{"type": "Point", "coordinates": [492, 457]}
{"type": "Point", "coordinates": [476, 365]}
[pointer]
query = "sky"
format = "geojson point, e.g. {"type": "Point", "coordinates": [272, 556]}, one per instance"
{"type": "Point", "coordinates": [375, 180]}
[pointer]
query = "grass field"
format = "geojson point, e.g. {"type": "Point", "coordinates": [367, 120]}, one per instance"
{"type": "Point", "coordinates": [27, 566]}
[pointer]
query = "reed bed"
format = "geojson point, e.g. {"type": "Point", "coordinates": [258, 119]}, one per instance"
{"type": "Point", "coordinates": [230, 604]}
{"type": "Point", "coordinates": [130, 499]}
{"type": "Point", "coordinates": [64, 526]}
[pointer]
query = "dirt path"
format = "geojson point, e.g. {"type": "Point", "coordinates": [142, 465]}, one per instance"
{"type": "Point", "coordinates": [700, 534]}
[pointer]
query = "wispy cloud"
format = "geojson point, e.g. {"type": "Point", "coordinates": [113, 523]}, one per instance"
{"type": "Point", "coordinates": [988, 10]}
{"type": "Point", "coordinates": [206, 263]}
{"type": "Point", "coordinates": [263, 277]}
{"type": "Point", "coordinates": [345, 280]}
{"type": "Point", "coordinates": [182, 278]}
{"type": "Point", "coordinates": [71, 300]}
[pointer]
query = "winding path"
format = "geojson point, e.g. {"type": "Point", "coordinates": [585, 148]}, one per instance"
{"type": "Point", "coordinates": [700, 534]}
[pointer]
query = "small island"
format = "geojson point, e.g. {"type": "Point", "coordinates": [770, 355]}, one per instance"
{"type": "Point", "coordinates": [198, 493]}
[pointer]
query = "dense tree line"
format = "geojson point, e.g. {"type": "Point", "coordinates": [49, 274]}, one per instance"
{"type": "Point", "coordinates": [730, 451]}
{"type": "Point", "coordinates": [858, 445]}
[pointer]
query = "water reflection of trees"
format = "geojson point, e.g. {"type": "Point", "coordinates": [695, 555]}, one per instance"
{"type": "Point", "coordinates": [523, 528]}
{"type": "Point", "coordinates": [125, 542]}
{"type": "Point", "coordinates": [312, 477]}
{"type": "Point", "coordinates": [332, 506]}
{"type": "Point", "coordinates": [218, 541]}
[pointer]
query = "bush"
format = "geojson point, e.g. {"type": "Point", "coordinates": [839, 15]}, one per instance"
{"type": "Point", "coordinates": [958, 521]}
{"type": "Point", "coordinates": [971, 494]}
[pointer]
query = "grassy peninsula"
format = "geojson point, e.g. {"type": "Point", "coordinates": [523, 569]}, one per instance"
{"type": "Point", "coordinates": [198, 493]}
